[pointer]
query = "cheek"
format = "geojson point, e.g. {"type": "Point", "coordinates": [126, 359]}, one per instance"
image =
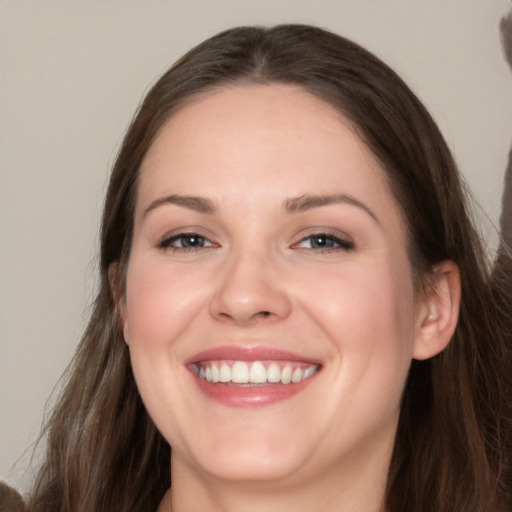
{"type": "Point", "coordinates": [159, 303]}
{"type": "Point", "coordinates": [159, 307]}
{"type": "Point", "coordinates": [368, 314]}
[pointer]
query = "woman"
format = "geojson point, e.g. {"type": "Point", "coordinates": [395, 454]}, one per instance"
{"type": "Point", "coordinates": [292, 297]}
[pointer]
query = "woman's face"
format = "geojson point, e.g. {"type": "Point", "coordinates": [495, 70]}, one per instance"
{"type": "Point", "coordinates": [269, 310]}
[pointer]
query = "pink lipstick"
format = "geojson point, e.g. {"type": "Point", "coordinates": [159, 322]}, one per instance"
{"type": "Point", "coordinates": [251, 376]}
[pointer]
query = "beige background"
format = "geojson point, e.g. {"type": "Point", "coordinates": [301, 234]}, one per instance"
{"type": "Point", "coordinates": [72, 73]}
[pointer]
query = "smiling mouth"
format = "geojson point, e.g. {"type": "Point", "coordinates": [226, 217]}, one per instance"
{"type": "Point", "coordinates": [251, 376]}
{"type": "Point", "coordinates": [255, 373]}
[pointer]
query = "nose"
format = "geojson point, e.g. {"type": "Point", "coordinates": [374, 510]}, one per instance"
{"type": "Point", "coordinates": [250, 291]}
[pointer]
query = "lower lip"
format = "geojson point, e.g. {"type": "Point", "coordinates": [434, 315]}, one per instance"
{"type": "Point", "coordinates": [234, 395]}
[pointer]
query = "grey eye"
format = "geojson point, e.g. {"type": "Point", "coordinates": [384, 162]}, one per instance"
{"type": "Point", "coordinates": [324, 241]}
{"type": "Point", "coordinates": [186, 241]}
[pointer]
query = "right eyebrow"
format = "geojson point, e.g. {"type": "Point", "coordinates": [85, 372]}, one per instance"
{"type": "Point", "coordinates": [199, 204]}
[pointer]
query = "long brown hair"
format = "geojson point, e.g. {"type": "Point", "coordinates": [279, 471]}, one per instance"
{"type": "Point", "coordinates": [452, 450]}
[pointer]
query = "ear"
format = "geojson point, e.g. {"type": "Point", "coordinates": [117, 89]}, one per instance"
{"type": "Point", "coordinates": [438, 311]}
{"type": "Point", "coordinates": [118, 295]}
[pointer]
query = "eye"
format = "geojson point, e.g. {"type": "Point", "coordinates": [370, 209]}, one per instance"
{"type": "Point", "coordinates": [185, 242]}
{"type": "Point", "coordinates": [326, 242]}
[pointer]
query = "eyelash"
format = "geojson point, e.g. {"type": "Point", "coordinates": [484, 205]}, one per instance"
{"type": "Point", "coordinates": [337, 243]}
{"type": "Point", "coordinates": [326, 242]}
{"type": "Point", "coordinates": [166, 243]}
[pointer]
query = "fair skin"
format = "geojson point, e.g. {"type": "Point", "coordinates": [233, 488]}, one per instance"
{"type": "Point", "coordinates": [265, 234]}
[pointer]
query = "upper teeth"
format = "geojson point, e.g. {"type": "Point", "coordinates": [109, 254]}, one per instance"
{"type": "Point", "coordinates": [257, 372]}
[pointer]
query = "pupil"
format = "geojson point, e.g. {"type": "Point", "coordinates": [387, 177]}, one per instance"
{"type": "Point", "coordinates": [192, 241]}
{"type": "Point", "coordinates": [321, 241]}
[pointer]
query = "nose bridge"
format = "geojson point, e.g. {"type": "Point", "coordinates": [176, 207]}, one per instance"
{"type": "Point", "coordinates": [249, 288]}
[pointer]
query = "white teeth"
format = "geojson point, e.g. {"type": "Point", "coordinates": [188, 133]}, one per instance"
{"type": "Point", "coordinates": [286, 375]}
{"type": "Point", "coordinates": [274, 373]}
{"type": "Point", "coordinates": [310, 370]}
{"type": "Point", "coordinates": [225, 373]}
{"type": "Point", "coordinates": [215, 373]}
{"type": "Point", "coordinates": [257, 374]}
{"type": "Point", "coordinates": [297, 375]}
{"type": "Point", "coordinates": [242, 372]}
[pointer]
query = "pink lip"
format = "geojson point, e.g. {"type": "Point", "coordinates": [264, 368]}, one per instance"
{"type": "Point", "coordinates": [258, 353]}
{"type": "Point", "coordinates": [233, 395]}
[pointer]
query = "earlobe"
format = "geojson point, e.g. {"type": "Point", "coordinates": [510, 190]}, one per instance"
{"type": "Point", "coordinates": [118, 298]}
{"type": "Point", "coordinates": [438, 311]}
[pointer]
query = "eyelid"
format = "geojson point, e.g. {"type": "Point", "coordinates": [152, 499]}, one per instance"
{"type": "Point", "coordinates": [166, 241]}
{"type": "Point", "coordinates": [343, 241]}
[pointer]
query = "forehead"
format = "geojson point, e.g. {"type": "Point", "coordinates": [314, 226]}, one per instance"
{"type": "Point", "coordinates": [262, 139]}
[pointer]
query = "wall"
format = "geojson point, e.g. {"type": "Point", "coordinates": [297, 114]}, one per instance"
{"type": "Point", "coordinates": [71, 75]}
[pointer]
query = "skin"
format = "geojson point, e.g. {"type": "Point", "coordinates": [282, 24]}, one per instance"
{"type": "Point", "coordinates": [259, 280]}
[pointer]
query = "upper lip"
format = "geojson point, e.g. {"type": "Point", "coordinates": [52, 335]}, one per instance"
{"type": "Point", "coordinates": [246, 353]}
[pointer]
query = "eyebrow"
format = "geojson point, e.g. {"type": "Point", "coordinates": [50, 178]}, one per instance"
{"type": "Point", "coordinates": [199, 204]}
{"type": "Point", "coordinates": [293, 205]}
{"type": "Point", "coordinates": [307, 202]}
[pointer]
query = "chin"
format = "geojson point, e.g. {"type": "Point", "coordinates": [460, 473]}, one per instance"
{"type": "Point", "coordinates": [252, 467]}
{"type": "Point", "coordinates": [251, 457]}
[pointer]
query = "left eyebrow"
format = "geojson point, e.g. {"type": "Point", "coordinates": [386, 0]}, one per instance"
{"type": "Point", "coordinates": [306, 202]}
